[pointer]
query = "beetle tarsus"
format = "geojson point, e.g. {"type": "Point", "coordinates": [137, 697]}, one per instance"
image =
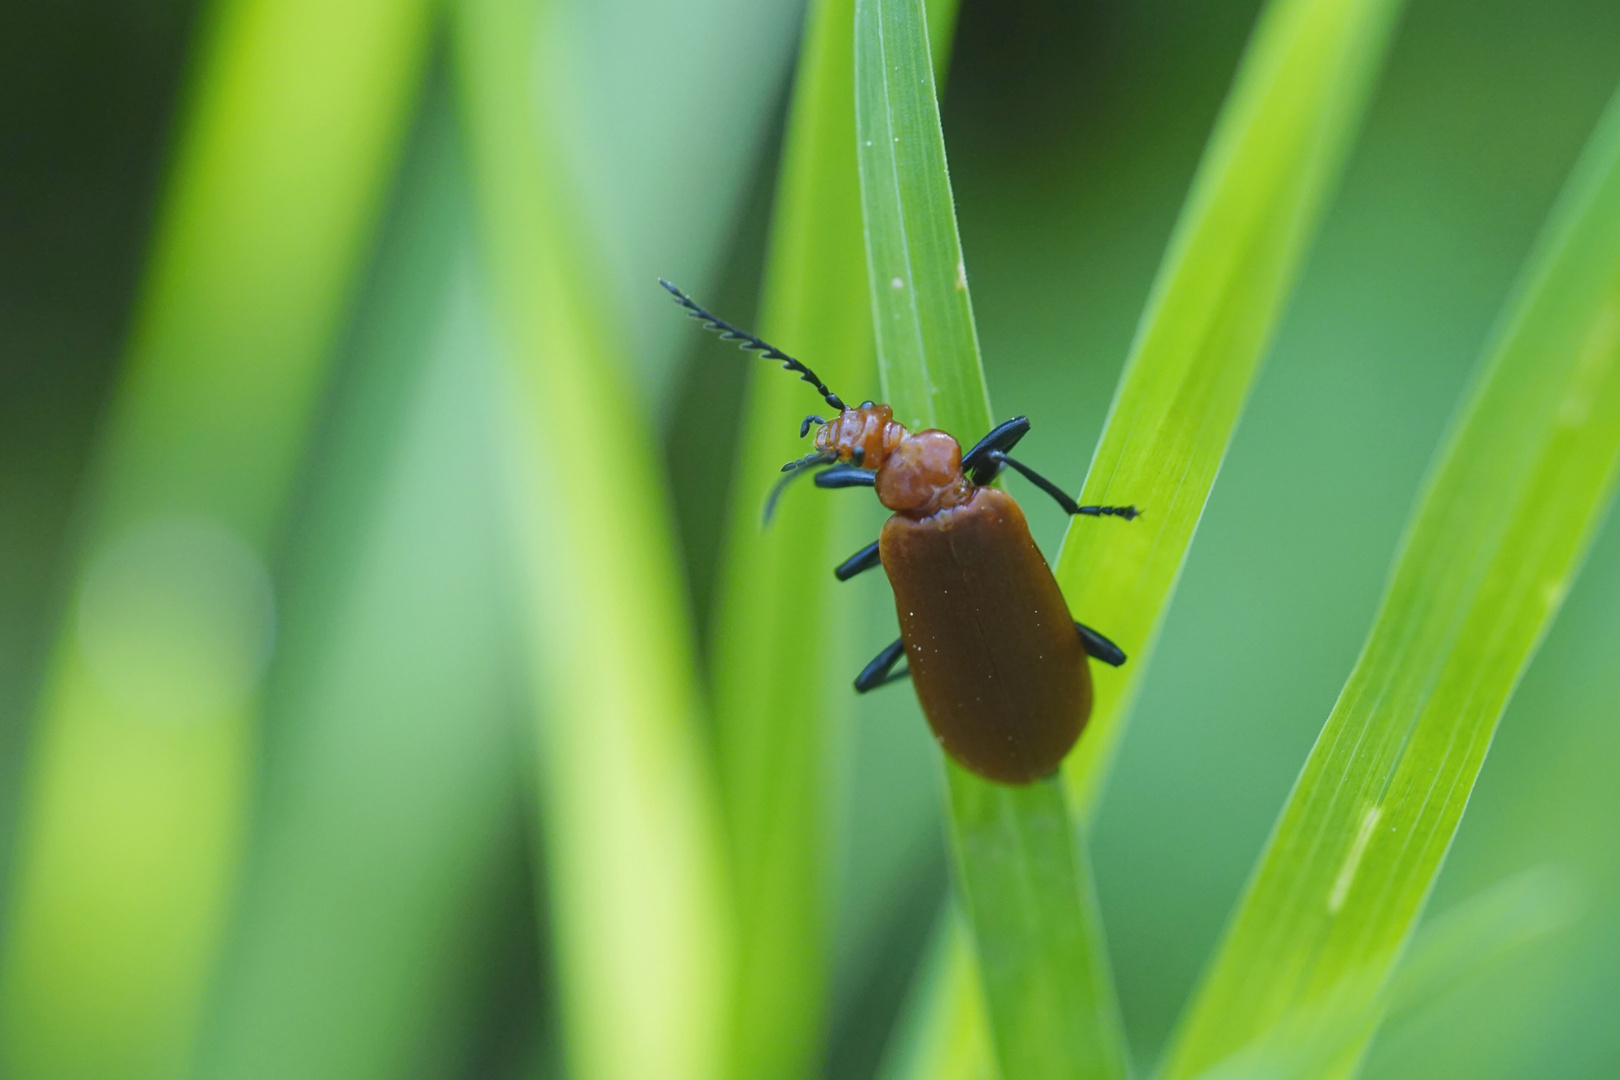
{"type": "Point", "coordinates": [1099, 647]}
{"type": "Point", "coordinates": [1070, 507]}
{"type": "Point", "coordinates": [864, 559]}
{"type": "Point", "coordinates": [880, 672]}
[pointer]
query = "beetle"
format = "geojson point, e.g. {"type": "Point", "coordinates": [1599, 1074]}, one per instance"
{"type": "Point", "coordinates": [998, 663]}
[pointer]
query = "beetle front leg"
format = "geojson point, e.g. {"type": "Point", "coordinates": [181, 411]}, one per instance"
{"type": "Point", "coordinates": [843, 476]}
{"type": "Point", "coordinates": [881, 670]}
{"type": "Point", "coordinates": [1099, 647]}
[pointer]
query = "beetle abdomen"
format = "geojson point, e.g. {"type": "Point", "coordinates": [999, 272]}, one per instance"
{"type": "Point", "coordinates": [993, 653]}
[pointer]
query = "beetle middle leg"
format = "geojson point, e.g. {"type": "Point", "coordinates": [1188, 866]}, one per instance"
{"type": "Point", "coordinates": [862, 560]}
{"type": "Point", "coordinates": [881, 670]}
{"type": "Point", "coordinates": [1099, 647]}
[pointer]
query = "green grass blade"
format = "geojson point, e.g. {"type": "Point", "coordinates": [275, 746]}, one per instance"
{"type": "Point", "coordinates": [942, 1035]}
{"type": "Point", "coordinates": [144, 746]}
{"type": "Point", "coordinates": [627, 810]}
{"type": "Point", "coordinates": [947, 1028]}
{"type": "Point", "coordinates": [928, 350]}
{"type": "Point", "coordinates": [387, 863]}
{"type": "Point", "coordinates": [781, 699]}
{"type": "Point", "coordinates": [782, 682]}
{"type": "Point", "coordinates": [1021, 871]}
{"type": "Point", "coordinates": [1499, 533]}
{"type": "Point", "coordinates": [1261, 187]}
{"type": "Point", "coordinates": [1026, 883]}
{"type": "Point", "coordinates": [1256, 201]}
{"type": "Point", "coordinates": [1460, 944]}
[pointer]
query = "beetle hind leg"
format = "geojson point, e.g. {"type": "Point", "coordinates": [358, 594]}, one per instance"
{"type": "Point", "coordinates": [1099, 647]}
{"type": "Point", "coordinates": [1061, 497]}
{"type": "Point", "coordinates": [881, 671]}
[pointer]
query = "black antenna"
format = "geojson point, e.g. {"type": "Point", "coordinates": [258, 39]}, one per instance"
{"type": "Point", "coordinates": [792, 469]}
{"type": "Point", "coordinates": [728, 332]}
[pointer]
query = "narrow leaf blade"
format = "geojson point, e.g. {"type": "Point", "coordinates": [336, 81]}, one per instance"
{"type": "Point", "coordinates": [627, 806]}
{"type": "Point", "coordinates": [1499, 533]}
{"type": "Point", "coordinates": [1020, 868]}
{"type": "Point", "coordinates": [1256, 202]}
{"type": "Point", "coordinates": [1259, 195]}
{"type": "Point", "coordinates": [928, 349]}
{"type": "Point", "coordinates": [778, 711]}
{"type": "Point", "coordinates": [141, 781]}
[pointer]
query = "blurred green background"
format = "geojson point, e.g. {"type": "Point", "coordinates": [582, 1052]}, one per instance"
{"type": "Point", "coordinates": [381, 918]}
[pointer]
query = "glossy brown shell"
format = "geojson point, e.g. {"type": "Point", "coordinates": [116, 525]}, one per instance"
{"type": "Point", "coordinates": [993, 652]}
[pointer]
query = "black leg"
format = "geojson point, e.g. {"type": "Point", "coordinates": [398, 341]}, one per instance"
{"type": "Point", "coordinates": [880, 670]}
{"type": "Point", "coordinates": [843, 476]}
{"type": "Point", "coordinates": [864, 559]}
{"type": "Point", "coordinates": [1099, 647]}
{"type": "Point", "coordinates": [1004, 437]}
{"type": "Point", "coordinates": [1069, 505]}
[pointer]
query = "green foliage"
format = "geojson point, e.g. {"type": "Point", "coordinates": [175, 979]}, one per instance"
{"type": "Point", "coordinates": [1261, 188]}
{"type": "Point", "coordinates": [626, 804]}
{"type": "Point", "coordinates": [1498, 535]}
{"type": "Point", "coordinates": [392, 795]}
{"type": "Point", "coordinates": [782, 697]}
{"type": "Point", "coordinates": [1255, 204]}
{"type": "Point", "coordinates": [140, 786]}
{"type": "Point", "coordinates": [779, 716]}
{"type": "Point", "coordinates": [347, 379]}
{"type": "Point", "coordinates": [1023, 876]}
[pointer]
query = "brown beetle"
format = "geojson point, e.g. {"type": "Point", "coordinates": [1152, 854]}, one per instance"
{"type": "Point", "coordinates": [998, 662]}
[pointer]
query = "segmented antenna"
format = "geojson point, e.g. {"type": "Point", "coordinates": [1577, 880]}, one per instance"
{"type": "Point", "coordinates": [728, 332]}
{"type": "Point", "coordinates": [792, 469]}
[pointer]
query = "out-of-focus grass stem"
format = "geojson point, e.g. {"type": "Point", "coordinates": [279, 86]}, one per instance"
{"type": "Point", "coordinates": [135, 797]}
{"type": "Point", "coordinates": [627, 808]}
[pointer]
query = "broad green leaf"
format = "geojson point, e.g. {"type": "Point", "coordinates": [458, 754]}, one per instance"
{"type": "Point", "coordinates": [1498, 535]}
{"type": "Point", "coordinates": [1022, 874]}
{"type": "Point", "coordinates": [136, 797]}
{"type": "Point", "coordinates": [627, 809]}
{"type": "Point", "coordinates": [1272, 162]}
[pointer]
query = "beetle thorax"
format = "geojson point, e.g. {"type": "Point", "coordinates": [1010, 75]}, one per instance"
{"type": "Point", "coordinates": [917, 474]}
{"type": "Point", "coordinates": [864, 437]}
{"type": "Point", "coordinates": [923, 475]}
